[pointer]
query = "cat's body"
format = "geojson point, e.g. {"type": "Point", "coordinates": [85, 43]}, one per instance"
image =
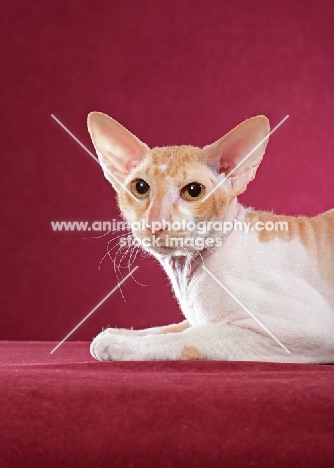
{"type": "Point", "coordinates": [277, 280]}
{"type": "Point", "coordinates": [257, 295]}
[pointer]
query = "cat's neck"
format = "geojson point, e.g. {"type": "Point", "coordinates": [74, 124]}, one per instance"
{"type": "Point", "coordinates": [190, 261]}
{"type": "Point", "coordinates": [236, 211]}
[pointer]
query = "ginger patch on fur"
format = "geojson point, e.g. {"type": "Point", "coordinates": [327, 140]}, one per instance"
{"type": "Point", "coordinates": [191, 352]}
{"type": "Point", "coordinates": [175, 328]}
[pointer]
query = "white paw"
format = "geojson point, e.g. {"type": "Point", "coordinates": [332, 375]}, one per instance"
{"type": "Point", "coordinates": [111, 345]}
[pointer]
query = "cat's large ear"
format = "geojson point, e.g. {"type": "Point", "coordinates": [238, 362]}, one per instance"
{"type": "Point", "coordinates": [118, 150]}
{"type": "Point", "coordinates": [226, 154]}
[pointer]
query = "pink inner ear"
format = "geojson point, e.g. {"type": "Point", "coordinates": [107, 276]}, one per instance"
{"type": "Point", "coordinates": [230, 158]}
{"type": "Point", "coordinates": [244, 145]}
{"type": "Point", "coordinates": [131, 163]}
{"type": "Point", "coordinates": [118, 149]}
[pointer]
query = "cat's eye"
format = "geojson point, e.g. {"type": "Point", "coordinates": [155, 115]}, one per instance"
{"type": "Point", "coordinates": [140, 188]}
{"type": "Point", "coordinates": [193, 191]}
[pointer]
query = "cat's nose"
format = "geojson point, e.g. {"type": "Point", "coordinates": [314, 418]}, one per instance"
{"type": "Point", "coordinates": [156, 217]}
{"type": "Point", "coordinates": [155, 228]}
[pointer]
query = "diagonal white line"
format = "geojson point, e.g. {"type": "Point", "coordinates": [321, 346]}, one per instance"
{"type": "Point", "coordinates": [244, 159]}
{"type": "Point", "coordinates": [94, 157]}
{"type": "Point", "coordinates": [75, 138]}
{"type": "Point", "coordinates": [246, 310]}
{"type": "Point", "coordinates": [96, 307]}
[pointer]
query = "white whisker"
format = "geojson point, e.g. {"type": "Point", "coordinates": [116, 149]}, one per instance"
{"type": "Point", "coordinates": [98, 237]}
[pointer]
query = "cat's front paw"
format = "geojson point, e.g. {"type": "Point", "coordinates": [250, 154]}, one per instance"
{"type": "Point", "coordinates": [99, 347]}
{"type": "Point", "coordinates": [110, 345]}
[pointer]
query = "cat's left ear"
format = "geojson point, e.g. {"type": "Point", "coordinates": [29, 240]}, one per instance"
{"type": "Point", "coordinates": [226, 154]}
{"type": "Point", "coordinates": [119, 151]}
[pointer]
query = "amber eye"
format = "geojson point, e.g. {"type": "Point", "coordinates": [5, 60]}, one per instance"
{"type": "Point", "coordinates": [193, 191]}
{"type": "Point", "coordinates": [140, 188]}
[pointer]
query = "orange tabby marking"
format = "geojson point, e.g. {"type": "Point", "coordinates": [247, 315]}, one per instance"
{"type": "Point", "coordinates": [313, 233]}
{"type": "Point", "coordinates": [191, 352]}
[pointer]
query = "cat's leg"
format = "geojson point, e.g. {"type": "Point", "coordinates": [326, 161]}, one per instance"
{"type": "Point", "coordinates": [174, 328]}
{"type": "Point", "coordinates": [214, 342]}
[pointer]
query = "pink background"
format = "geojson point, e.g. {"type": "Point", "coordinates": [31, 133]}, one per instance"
{"type": "Point", "coordinates": [172, 72]}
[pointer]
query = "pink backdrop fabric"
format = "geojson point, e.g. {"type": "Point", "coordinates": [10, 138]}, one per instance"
{"type": "Point", "coordinates": [172, 72]}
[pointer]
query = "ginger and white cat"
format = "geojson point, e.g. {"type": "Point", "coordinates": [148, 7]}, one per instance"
{"type": "Point", "coordinates": [284, 279]}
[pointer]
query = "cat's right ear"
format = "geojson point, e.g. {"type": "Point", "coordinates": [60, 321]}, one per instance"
{"type": "Point", "coordinates": [118, 150]}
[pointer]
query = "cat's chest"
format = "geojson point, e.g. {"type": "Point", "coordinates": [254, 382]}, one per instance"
{"type": "Point", "coordinates": [201, 297]}
{"type": "Point", "coordinates": [209, 291]}
{"type": "Point", "coordinates": [210, 294]}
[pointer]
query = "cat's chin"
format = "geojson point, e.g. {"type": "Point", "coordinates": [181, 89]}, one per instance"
{"type": "Point", "coordinates": [170, 251]}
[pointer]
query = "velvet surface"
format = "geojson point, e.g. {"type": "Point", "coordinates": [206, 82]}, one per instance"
{"type": "Point", "coordinates": [68, 410]}
{"type": "Point", "coordinates": [173, 72]}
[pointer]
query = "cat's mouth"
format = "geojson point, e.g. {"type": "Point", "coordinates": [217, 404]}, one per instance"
{"type": "Point", "coordinates": [164, 246]}
{"type": "Point", "coordinates": [167, 244]}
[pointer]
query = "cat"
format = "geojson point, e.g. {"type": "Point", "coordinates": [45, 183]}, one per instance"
{"type": "Point", "coordinates": [260, 295]}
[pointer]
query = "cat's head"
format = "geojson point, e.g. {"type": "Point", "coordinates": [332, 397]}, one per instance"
{"type": "Point", "coordinates": [163, 192]}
